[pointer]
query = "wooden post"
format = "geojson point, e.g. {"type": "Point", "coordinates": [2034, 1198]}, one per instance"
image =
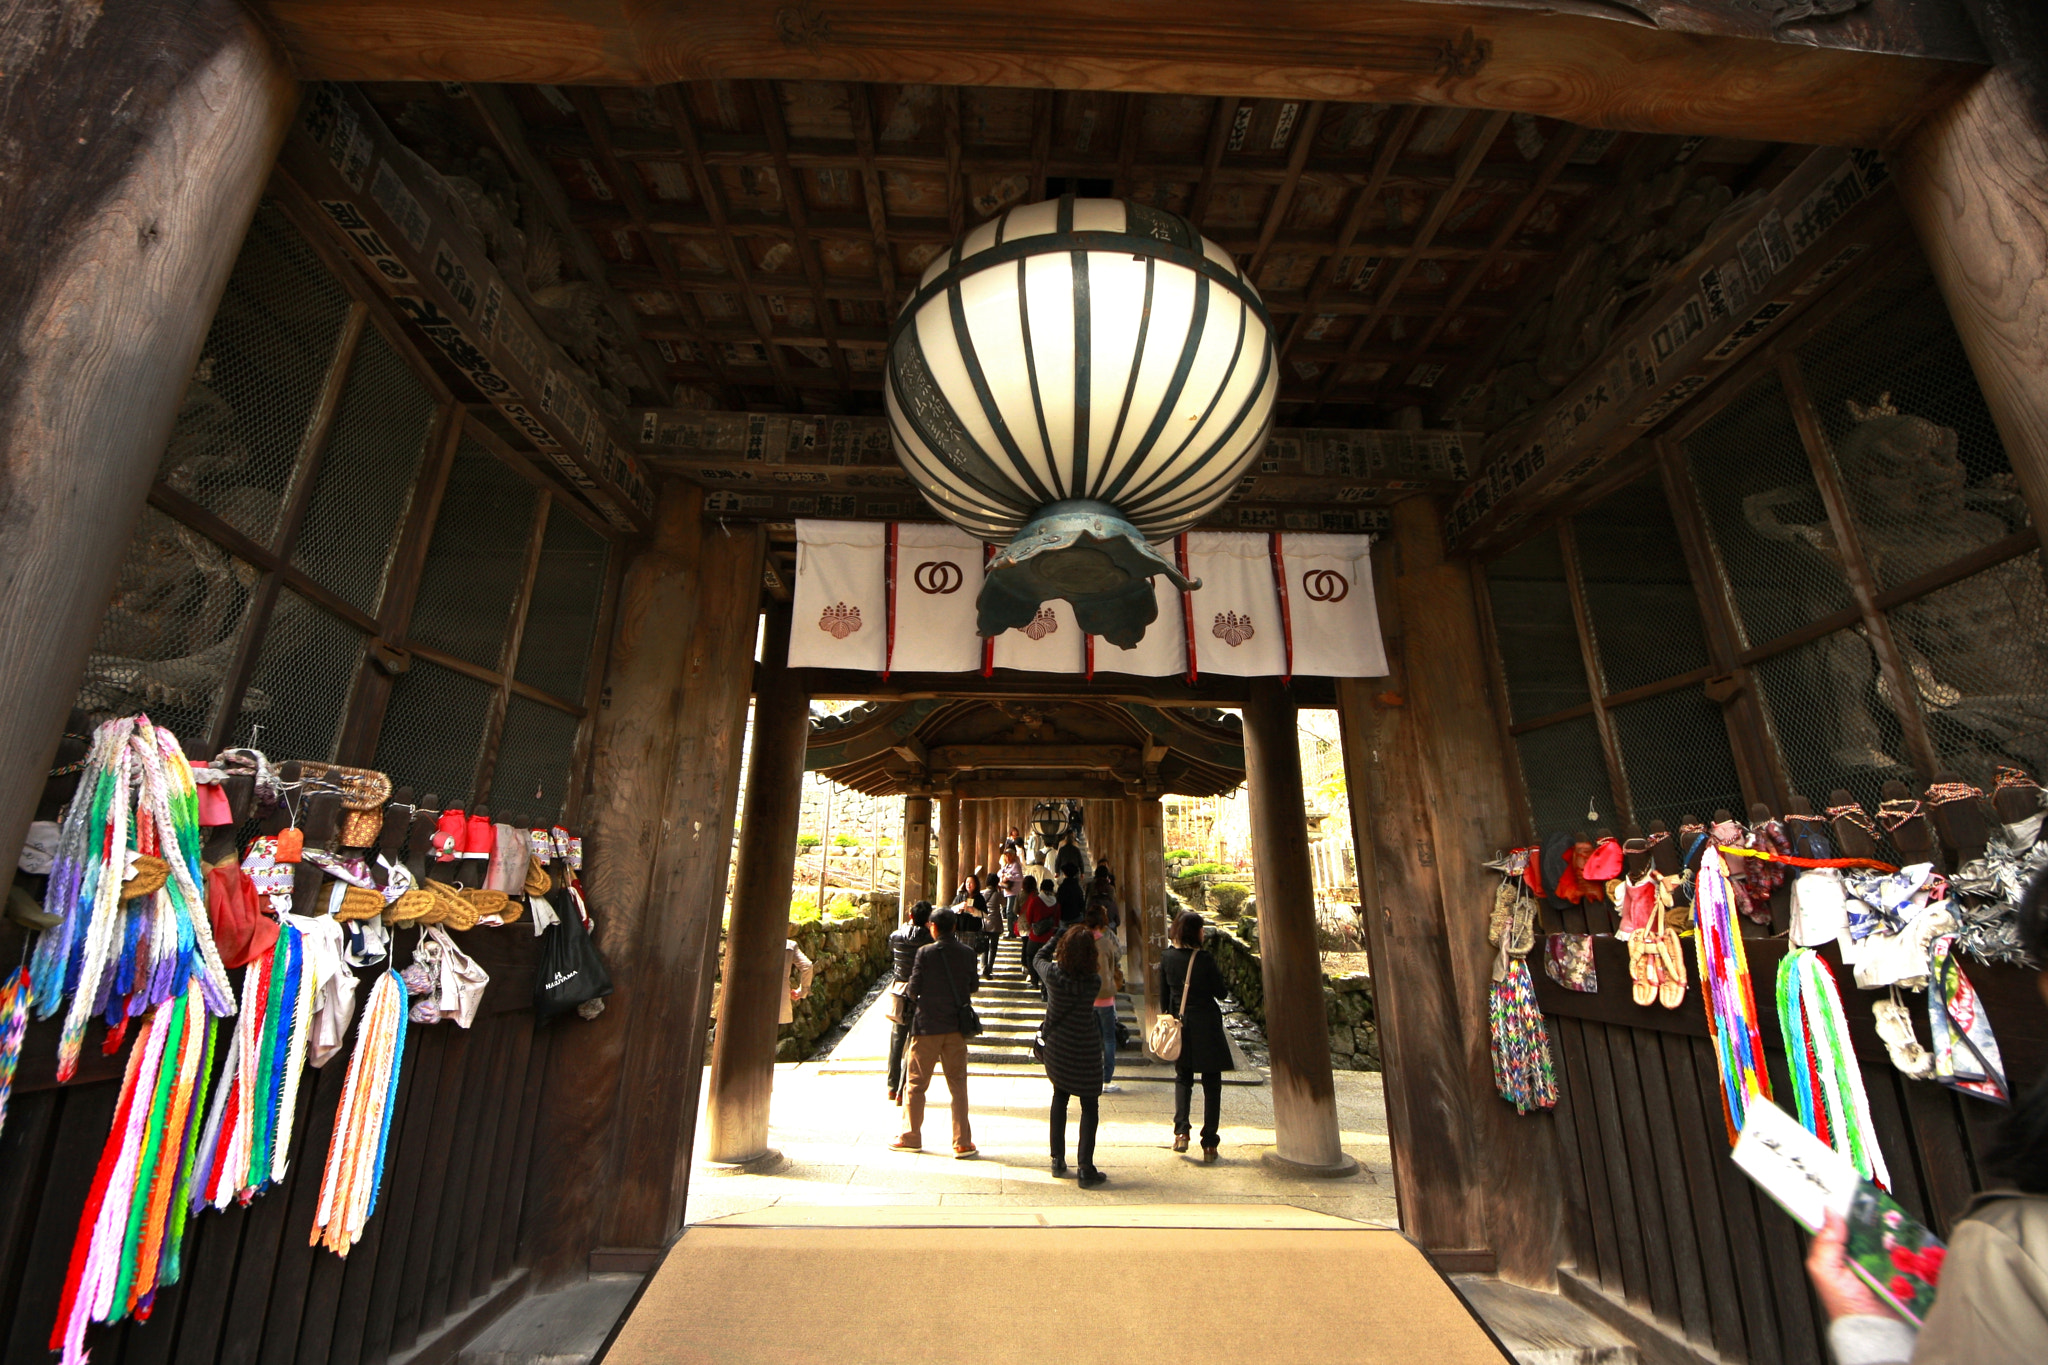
{"type": "Point", "coordinates": [1151, 872]}
{"type": "Point", "coordinates": [622, 1088]}
{"type": "Point", "coordinates": [1974, 180]}
{"type": "Point", "coordinates": [917, 852]}
{"type": "Point", "coordinates": [134, 143]}
{"type": "Point", "coordinates": [756, 969]}
{"type": "Point", "coordinates": [1305, 1138]}
{"type": "Point", "coordinates": [1430, 803]}
{"type": "Point", "coordinates": [949, 849]}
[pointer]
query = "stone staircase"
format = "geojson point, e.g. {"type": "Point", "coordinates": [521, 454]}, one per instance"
{"type": "Point", "coordinates": [1011, 1010]}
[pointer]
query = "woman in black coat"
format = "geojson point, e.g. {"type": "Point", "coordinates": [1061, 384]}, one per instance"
{"type": "Point", "coordinates": [1204, 1049]}
{"type": "Point", "coordinates": [1073, 1045]}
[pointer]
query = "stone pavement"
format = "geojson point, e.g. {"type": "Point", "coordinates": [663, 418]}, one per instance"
{"type": "Point", "coordinates": [835, 1131]}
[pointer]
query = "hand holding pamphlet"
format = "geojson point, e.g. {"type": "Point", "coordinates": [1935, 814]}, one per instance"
{"type": "Point", "coordinates": [1887, 1247]}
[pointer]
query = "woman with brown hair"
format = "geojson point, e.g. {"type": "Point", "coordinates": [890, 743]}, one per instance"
{"type": "Point", "coordinates": [1192, 986]}
{"type": "Point", "coordinates": [1071, 1043]}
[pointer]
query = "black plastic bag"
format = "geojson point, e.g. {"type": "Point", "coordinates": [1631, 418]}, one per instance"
{"type": "Point", "coordinates": [572, 973]}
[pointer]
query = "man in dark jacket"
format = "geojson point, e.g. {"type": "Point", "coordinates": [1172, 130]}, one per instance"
{"type": "Point", "coordinates": [941, 980]}
{"type": "Point", "coordinates": [1073, 900]}
{"type": "Point", "coordinates": [903, 945]}
{"type": "Point", "coordinates": [1069, 862]}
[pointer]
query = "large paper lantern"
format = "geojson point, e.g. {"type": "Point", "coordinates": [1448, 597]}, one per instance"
{"type": "Point", "coordinates": [1073, 380]}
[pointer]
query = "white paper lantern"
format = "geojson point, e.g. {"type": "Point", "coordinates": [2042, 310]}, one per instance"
{"type": "Point", "coordinates": [1079, 377]}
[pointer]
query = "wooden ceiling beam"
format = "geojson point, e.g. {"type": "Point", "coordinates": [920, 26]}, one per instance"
{"type": "Point", "coordinates": [1468, 165]}
{"type": "Point", "coordinates": [863, 110]}
{"type": "Point", "coordinates": [956, 197]}
{"type": "Point", "coordinates": [1362, 205]}
{"type": "Point", "coordinates": [711, 191]}
{"type": "Point", "coordinates": [1127, 120]}
{"type": "Point", "coordinates": [1212, 158]}
{"type": "Point", "coordinates": [1080, 757]}
{"type": "Point", "coordinates": [1010, 685]}
{"type": "Point", "coordinates": [1559, 155]}
{"type": "Point", "coordinates": [1638, 158]}
{"type": "Point", "coordinates": [1041, 140]}
{"type": "Point", "coordinates": [1304, 135]}
{"type": "Point", "coordinates": [502, 123]}
{"type": "Point", "coordinates": [676, 220]}
{"type": "Point", "coordinates": [768, 106]}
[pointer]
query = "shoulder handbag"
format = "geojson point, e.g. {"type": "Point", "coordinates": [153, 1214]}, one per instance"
{"type": "Point", "coordinates": [899, 1002]}
{"type": "Point", "coordinates": [970, 1022]}
{"type": "Point", "coordinates": [1164, 1038]}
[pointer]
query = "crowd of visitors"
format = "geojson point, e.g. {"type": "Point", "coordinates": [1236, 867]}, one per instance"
{"type": "Point", "coordinates": [1069, 949]}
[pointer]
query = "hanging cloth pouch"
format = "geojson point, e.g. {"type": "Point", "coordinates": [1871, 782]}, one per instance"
{"type": "Point", "coordinates": [572, 973]}
{"type": "Point", "coordinates": [241, 931]}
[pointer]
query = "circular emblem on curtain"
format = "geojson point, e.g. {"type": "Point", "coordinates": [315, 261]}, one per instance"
{"type": "Point", "coordinates": [1074, 380]}
{"type": "Point", "coordinates": [1325, 585]}
{"type": "Point", "coordinates": [938, 577]}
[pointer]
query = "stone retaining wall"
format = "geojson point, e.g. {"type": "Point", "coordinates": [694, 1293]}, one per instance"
{"type": "Point", "coordinates": [1347, 1001]}
{"type": "Point", "coordinates": [848, 950]}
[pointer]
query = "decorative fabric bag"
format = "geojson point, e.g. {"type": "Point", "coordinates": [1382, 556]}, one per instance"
{"type": "Point", "coordinates": [1164, 1039]}
{"type": "Point", "coordinates": [1568, 960]}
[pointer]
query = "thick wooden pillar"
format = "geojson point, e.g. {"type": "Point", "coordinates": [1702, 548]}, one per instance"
{"type": "Point", "coordinates": [756, 969]}
{"type": "Point", "coordinates": [1974, 180]}
{"type": "Point", "coordinates": [622, 1088]}
{"type": "Point", "coordinates": [1430, 803]}
{"type": "Point", "coordinates": [949, 849]}
{"type": "Point", "coordinates": [1297, 1028]}
{"type": "Point", "coordinates": [917, 852]}
{"type": "Point", "coordinates": [135, 139]}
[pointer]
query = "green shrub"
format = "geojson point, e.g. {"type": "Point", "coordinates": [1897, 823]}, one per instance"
{"type": "Point", "coordinates": [807, 841]}
{"type": "Point", "coordinates": [1227, 898]}
{"type": "Point", "coordinates": [803, 909]}
{"type": "Point", "coordinates": [1180, 855]}
{"type": "Point", "coordinates": [1205, 869]}
{"type": "Point", "coordinates": [845, 841]}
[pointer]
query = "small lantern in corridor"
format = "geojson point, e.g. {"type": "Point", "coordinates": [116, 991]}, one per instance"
{"type": "Point", "coordinates": [1080, 378]}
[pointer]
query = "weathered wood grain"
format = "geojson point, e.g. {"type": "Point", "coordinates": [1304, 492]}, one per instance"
{"type": "Point", "coordinates": [1589, 70]}
{"type": "Point", "coordinates": [1974, 181]}
{"type": "Point", "coordinates": [1464, 776]}
{"type": "Point", "coordinates": [135, 138]}
{"type": "Point", "coordinates": [656, 1128]}
{"type": "Point", "coordinates": [1297, 1028]}
{"type": "Point", "coordinates": [756, 973]}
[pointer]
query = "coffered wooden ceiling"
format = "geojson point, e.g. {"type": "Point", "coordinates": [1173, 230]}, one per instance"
{"type": "Point", "coordinates": [743, 245]}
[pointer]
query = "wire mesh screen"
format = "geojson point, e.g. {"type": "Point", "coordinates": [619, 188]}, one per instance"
{"type": "Point", "coordinates": [244, 420]}
{"type": "Point", "coordinates": [169, 633]}
{"type": "Point", "coordinates": [532, 773]}
{"type": "Point", "coordinates": [1926, 476]}
{"type": "Point", "coordinates": [1566, 777]}
{"type": "Point", "coordinates": [1834, 724]}
{"type": "Point", "coordinates": [476, 560]}
{"type": "Point", "coordinates": [1532, 619]}
{"type": "Point", "coordinates": [433, 734]}
{"type": "Point", "coordinates": [366, 476]}
{"type": "Point", "coordinates": [306, 666]}
{"type": "Point", "coordinates": [1767, 517]}
{"type": "Point", "coordinates": [1978, 650]}
{"type": "Point", "coordinates": [1674, 749]}
{"type": "Point", "coordinates": [1639, 593]}
{"type": "Point", "coordinates": [554, 650]}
